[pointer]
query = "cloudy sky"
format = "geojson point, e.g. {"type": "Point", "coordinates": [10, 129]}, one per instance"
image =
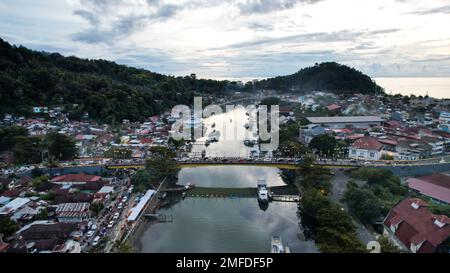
{"type": "Point", "coordinates": [239, 38]}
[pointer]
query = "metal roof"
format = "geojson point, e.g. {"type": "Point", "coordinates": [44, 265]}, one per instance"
{"type": "Point", "coordinates": [348, 119]}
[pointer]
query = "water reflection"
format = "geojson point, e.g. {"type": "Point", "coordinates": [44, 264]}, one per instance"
{"type": "Point", "coordinates": [224, 225]}
{"type": "Point", "coordinates": [230, 176]}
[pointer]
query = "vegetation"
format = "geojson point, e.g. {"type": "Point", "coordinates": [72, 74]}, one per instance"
{"type": "Point", "coordinates": [7, 226]}
{"type": "Point", "coordinates": [329, 76]}
{"type": "Point", "coordinates": [161, 162]}
{"type": "Point", "coordinates": [387, 247]}
{"type": "Point", "coordinates": [96, 207]}
{"type": "Point", "coordinates": [326, 222]}
{"type": "Point", "coordinates": [104, 90]}
{"type": "Point", "coordinates": [9, 134]}
{"type": "Point", "coordinates": [143, 180]}
{"type": "Point", "coordinates": [329, 225]}
{"type": "Point", "coordinates": [60, 147]}
{"type": "Point", "coordinates": [325, 144]}
{"type": "Point", "coordinates": [32, 149]}
{"type": "Point", "coordinates": [374, 200]}
{"type": "Point", "coordinates": [118, 153]}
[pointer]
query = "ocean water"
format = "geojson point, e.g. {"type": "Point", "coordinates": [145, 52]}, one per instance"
{"type": "Point", "coordinates": [434, 87]}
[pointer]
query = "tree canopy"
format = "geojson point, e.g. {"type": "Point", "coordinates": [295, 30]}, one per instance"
{"type": "Point", "coordinates": [328, 76]}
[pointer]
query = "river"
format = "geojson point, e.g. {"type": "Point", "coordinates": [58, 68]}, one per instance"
{"type": "Point", "coordinates": [217, 225]}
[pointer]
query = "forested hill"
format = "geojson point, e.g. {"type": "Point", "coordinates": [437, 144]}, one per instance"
{"type": "Point", "coordinates": [105, 90]}
{"type": "Point", "coordinates": [329, 76]}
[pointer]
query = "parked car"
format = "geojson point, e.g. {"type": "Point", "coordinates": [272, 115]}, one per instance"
{"type": "Point", "coordinates": [116, 215]}
{"type": "Point", "coordinates": [96, 240]}
{"type": "Point", "coordinates": [90, 233]}
{"type": "Point", "coordinates": [110, 224]}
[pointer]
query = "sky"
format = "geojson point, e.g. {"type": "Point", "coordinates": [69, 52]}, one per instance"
{"type": "Point", "coordinates": [239, 39]}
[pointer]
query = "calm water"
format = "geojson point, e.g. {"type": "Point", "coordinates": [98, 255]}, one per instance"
{"type": "Point", "coordinates": [436, 87]}
{"type": "Point", "coordinates": [213, 225]}
{"type": "Point", "coordinates": [230, 176]}
{"type": "Point", "coordinates": [231, 132]}
{"type": "Point", "coordinates": [225, 224]}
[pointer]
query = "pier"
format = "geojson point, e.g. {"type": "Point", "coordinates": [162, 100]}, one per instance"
{"type": "Point", "coordinates": [285, 198]}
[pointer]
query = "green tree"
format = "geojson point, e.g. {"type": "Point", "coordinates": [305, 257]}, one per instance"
{"type": "Point", "coordinates": [60, 146]}
{"type": "Point", "coordinates": [8, 136]}
{"type": "Point", "coordinates": [118, 153]}
{"type": "Point", "coordinates": [97, 207]}
{"type": "Point", "coordinates": [27, 150]}
{"type": "Point", "coordinates": [363, 204]}
{"type": "Point", "coordinates": [161, 162]}
{"type": "Point", "coordinates": [324, 143]}
{"type": "Point", "coordinates": [7, 226]}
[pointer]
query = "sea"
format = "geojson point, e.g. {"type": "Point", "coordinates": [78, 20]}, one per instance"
{"type": "Point", "coordinates": [432, 86]}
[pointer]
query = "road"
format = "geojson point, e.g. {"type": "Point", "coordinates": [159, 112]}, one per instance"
{"type": "Point", "coordinates": [339, 181]}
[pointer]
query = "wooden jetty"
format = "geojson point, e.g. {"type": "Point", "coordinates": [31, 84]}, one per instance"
{"type": "Point", "coordinates": [285, 198]}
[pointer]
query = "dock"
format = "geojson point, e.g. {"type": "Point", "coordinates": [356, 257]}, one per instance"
{"type": "Point", "coordinates": [285, 198]}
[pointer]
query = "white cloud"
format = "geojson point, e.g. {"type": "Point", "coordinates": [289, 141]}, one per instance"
{"type": "Point", "coordinates": [239, 38]}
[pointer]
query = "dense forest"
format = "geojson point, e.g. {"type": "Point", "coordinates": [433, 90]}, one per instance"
{"type": "Point", "coordinates": [110, 92]}
{"type": "Point", "coordinates": [329, 76]}
{"type": "Point", "coordinates": [105, 90]}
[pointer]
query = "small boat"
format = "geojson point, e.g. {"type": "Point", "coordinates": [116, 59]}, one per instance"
{"type": "Point", "coordinates": [263, 193]}
{"type": "Point", "coordinates": [277, 245]}
{"type": "Point", "coordinates": [163, 196]}
{"type": "Point", "coordinates": [183, 195]}
{"type": "Point", "coordinates": [189, 186]}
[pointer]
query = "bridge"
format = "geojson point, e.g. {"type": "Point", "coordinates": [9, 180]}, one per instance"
{"type": "Point", "coordinates": [284, 163]}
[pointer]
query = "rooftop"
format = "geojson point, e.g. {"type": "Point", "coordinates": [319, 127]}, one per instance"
{"type": "Point", "coordinates": [367, 143]}
{"type": "Point", "coordinates": [347, 119]}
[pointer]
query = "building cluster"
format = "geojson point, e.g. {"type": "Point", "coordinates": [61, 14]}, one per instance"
{"type": "Point", "coordinates": [92, 139]}
{"type": "Point", "coordinates": [59, 215]}
{"type": "Point", "coordinates": [382, 128]}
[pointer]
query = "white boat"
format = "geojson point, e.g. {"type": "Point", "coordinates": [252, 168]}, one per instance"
{"type": "Point", "coordinates": [277, 245]}
{"type": "Point", "coordinates": [263, 193]}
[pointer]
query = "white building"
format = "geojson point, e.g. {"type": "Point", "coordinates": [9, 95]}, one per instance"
{"type": "Point", "coordinates": [366, 148]}
{"type": "Point", "coordinates": [347, 121]}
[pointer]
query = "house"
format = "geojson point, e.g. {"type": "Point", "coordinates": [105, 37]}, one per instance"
{"type": "Point", "coordinates": [411, 226]}
{"type": "Point", "coordinates": [14, 205]}
{"type": "Point", "coordinates": [41, 236]}
{"type": "Point", "coordinates": [444, 121]}
{"type": "Point", "coordinates": [412, 149]}
{"type": "Point", "coordinates": [72, 212]}
{"type": "Point", "coordinates": [347, 121]}
{"type": "Point", "coordinates": [435, 186]}
{"type": "Point", "coordinates": [308, 132]}
{"type": "Point", "coordinates": [75, 179]}
{"type": "Point", "coordinates": [367, 148]}
{"type": "Point", "coordinates": [334, 109]}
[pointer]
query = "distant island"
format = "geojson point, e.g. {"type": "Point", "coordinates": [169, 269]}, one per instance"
{"type": "Point", "coordinates": [110, 92]}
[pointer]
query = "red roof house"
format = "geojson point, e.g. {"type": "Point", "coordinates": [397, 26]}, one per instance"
{"type": "Point", "coordinates": [366, 148]}
{"type": "Point", "coordinates": [436, 186]}
{"type": "Point", "coordinates": [75, 179]}
{"type": "Point", "coordinates": [412, 226]}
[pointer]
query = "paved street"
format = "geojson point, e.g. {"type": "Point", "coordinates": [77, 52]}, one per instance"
{"type": "Point", "coordinates": [339, 186]}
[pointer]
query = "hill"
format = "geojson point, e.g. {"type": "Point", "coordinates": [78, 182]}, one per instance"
{"type": "Point", "coordinates": [107, 91]}
{"type": "Point", "coordinates": [329, 76]}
